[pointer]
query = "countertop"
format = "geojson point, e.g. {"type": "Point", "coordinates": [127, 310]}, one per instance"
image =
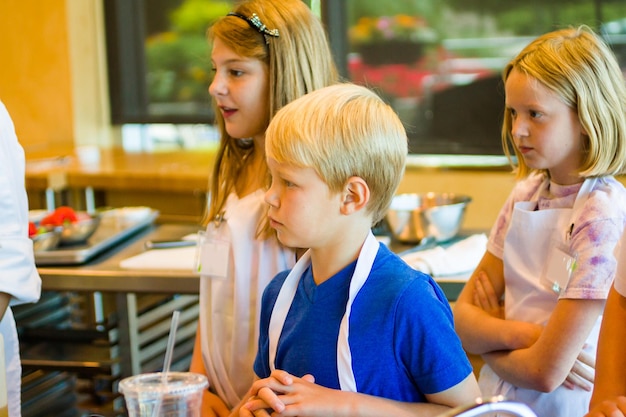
{"type": "Point", "coordinates": [103, 273]}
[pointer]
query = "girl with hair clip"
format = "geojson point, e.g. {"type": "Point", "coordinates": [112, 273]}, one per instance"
{"type": "Point", "coordinates": [532, 308]}
{"type": "Point", "coordinates": [265, 54]}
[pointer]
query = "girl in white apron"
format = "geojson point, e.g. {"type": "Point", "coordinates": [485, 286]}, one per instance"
{"type": "Point", "coordinates": [533, 300]}
{"type": "Point", "coordinates": [550, 257]}
{"type": "Point", "coordinates": [240, 254]}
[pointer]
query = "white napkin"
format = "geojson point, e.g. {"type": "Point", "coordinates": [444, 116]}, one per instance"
{"type": "Point", "coordinates": [462, 256]}
{"type": "Point", "coordinates": [174, 258]}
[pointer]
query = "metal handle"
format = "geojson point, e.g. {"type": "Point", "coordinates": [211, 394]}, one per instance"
{"type": "Point", "coordinates": [488, 405]}
{"type": "Point", "coordinates": [167, 244]}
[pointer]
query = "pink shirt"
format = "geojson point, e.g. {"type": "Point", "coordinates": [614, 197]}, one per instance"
{"type": "Point", "coordinates": [596, 230]}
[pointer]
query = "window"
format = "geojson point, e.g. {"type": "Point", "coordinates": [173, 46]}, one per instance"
{"type": "Point", "coordinates": [437, 62]}
{"type": "Point", "coordinates": [158, 59]}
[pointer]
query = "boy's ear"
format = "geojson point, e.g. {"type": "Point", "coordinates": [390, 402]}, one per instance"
{"type": "Point", "coordinates": [356, 195]}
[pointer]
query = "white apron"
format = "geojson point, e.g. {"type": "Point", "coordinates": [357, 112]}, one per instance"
{"type": "Point", "coordinates": [229, 307]}
{"type": "Point", "coordinates": [527, 299]}
{"type": "Point", "coordinates": [286, 296]}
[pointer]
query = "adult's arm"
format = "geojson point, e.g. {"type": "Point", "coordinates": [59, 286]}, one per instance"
{"type": "Point", "coordinates": [610, 381]}
{"type": "Point", "coordinates": [615, 407]}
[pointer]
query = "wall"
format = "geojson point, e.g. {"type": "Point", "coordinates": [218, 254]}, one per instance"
{"type": "Point", "coordinates": [35, 77]}
{"type": "Point", "coordinates": [53, 76]}
{"type": "Point", "coordinates": [87, 53]}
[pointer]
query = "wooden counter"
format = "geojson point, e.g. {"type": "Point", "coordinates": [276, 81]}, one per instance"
{"type": "Point", "coordinates": [175, 183]}
{"type": "Point", "coordinates": [165, 171]}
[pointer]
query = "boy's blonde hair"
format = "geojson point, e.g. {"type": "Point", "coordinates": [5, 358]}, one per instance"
{"type": "Point", "coordinates": [299, 61]}
{"type": "Point", "coordinates": [342, 131]}
{"type": "Point", "coordinates": [581, 69]}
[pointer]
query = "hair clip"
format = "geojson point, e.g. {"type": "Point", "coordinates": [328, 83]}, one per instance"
{"type": "Point", "coordinates": [255, 22]}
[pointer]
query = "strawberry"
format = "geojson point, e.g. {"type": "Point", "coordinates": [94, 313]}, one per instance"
{"type": "Point", "coordinates": [32, 229]}
{"type": "Point", "coordinates": [59, 217]}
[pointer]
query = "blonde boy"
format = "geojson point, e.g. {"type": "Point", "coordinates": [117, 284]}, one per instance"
{"type": "Point", "coordinates": [350, 315]}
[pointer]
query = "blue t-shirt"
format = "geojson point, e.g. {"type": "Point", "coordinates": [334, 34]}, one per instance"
{"type": "Point", "coordinates": [402, 337]}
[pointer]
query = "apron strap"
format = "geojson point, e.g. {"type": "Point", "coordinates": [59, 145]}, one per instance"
{"type": "Point", "coordinates": [364, 265]}
{"type": "Point", "coordinates": [283, 304]}
{"type": "Point", "coordinates": [287, 293]}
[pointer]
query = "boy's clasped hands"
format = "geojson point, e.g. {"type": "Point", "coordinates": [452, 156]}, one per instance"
{"type": "Point", "coordinates": [287, 394]}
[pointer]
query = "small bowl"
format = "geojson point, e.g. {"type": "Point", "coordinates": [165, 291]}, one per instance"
{"type": "Point", "coordinates": [46, 241]}
{"type": "Point", "coordinates": [413, 217]}
{"type": "Point", "coordinates": [79, 231]}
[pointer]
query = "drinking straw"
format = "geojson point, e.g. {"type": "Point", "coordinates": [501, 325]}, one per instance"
{"type": "Point", "coordinates": [167, 362]}
{"type": "Point", "coordinates": [171, 341]}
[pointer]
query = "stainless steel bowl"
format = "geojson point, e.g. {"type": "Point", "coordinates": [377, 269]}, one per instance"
{"type": "Point", "coordinates": [413, 217]}
{"type": "Point", "coordinates": [79, 231]}
{"type": "Point", "coordinates": [46, 241]}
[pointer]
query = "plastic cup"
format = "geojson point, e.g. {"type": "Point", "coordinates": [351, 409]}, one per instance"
{"type": "Point", "coordinates": [178, 395]}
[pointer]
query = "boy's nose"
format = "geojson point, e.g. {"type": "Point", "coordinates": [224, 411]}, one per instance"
{"type": "Point", "coordinates": [266, 197]}
{"type": "Point", "coordinates": [270, 198]}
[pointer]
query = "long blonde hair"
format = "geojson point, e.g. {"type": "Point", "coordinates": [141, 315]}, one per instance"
{"type": "Point", "coordinates": [581, 69]}
{"type": "Point", "coordinates": [299, 61]}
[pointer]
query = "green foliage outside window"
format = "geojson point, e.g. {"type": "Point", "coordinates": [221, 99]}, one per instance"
{"type": "Point", "coordinates": [178, 61]}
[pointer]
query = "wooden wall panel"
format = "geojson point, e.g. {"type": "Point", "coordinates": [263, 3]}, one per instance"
{"type": "Point", "coordinates": [35, 75]}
